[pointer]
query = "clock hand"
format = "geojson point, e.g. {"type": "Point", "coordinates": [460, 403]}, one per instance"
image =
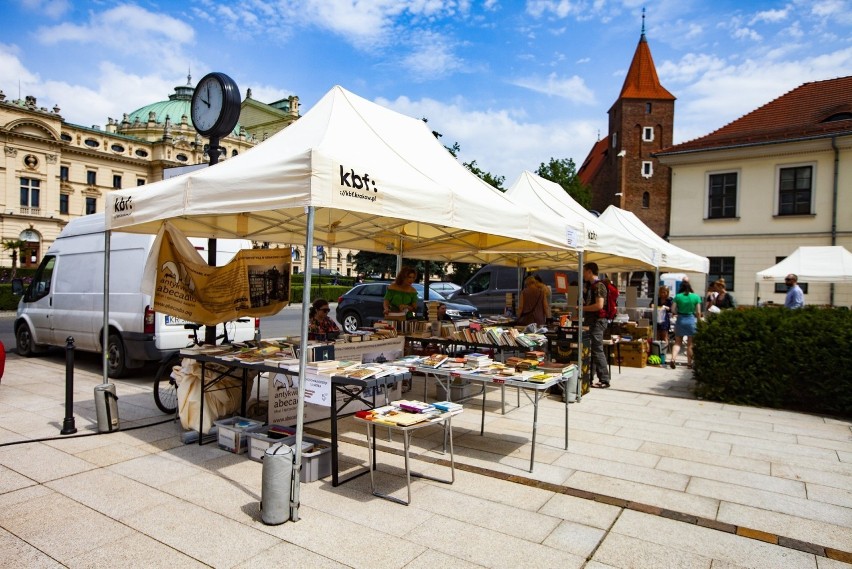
{"type": "Point", "coordinates": [203, 101]}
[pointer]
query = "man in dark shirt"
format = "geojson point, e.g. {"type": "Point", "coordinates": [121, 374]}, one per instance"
{"type": "Point", "coordinates": [594, 301]}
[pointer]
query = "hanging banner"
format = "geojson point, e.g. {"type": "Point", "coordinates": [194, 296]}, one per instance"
{"type": "Point", "coordinates": [255, 283]}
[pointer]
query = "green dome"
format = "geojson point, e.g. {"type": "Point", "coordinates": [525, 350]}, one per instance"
{"type": "Point", "coordinates": [177, 106]}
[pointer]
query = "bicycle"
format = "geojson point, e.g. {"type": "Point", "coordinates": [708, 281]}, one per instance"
{"type": "Point", "coordinates": [165, 387]}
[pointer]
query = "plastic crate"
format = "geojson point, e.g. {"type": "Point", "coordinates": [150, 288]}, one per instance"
{"type": "Point", "coordinates": [233, 433]}
{"type": "Point", "coordinates": [260, 440]}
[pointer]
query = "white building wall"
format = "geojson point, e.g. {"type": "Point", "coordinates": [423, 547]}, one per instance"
{"type": "Point", "coordinates": [756, 236]}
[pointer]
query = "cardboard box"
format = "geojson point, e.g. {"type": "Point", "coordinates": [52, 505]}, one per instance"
{"type": "Point", "coordinates": [233, 433]}
{"type": "Point", "coordinates": [634, 359]}
{"type": "Point", "coordinates": [633, 347]}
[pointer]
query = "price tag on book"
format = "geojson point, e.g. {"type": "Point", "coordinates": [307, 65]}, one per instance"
{"type": "Point", "coordinates": [456, 375]}
{"type": "Point", "coordinates": [497, 380]}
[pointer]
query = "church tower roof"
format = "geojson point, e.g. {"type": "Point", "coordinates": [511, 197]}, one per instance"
{"type": "Point", "coordinates": [642, 81]}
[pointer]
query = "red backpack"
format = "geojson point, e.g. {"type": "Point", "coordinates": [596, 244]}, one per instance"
{"type": "Point", "coordinates": [610, 309]}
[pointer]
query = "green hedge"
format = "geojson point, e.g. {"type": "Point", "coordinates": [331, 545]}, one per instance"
{"type": "Point", "coordinates": [8, 301]}
{"type": "Point", "coordinates": [329, 292]}
{"type": "Point", "coordinates": [774, 357]}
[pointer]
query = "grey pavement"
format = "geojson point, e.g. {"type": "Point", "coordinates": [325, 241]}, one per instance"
{"type": "Point", "coordinates": [652, 478]}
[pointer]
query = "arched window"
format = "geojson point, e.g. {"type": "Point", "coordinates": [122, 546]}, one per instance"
{"type": "Point", "coordinates": [296, 255]}
{"type": "Point", "coordinates": [339, 257]}
{"type": "Point", "coordinates": [646, 200]}
{"type": "Point", "coordinates": [349, 258]}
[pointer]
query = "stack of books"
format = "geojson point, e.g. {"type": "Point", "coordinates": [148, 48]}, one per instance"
{"type": "Point", "coordinates": [447, 406]}
{"type": "Point", "coordinates": [435, 360]}
{"type": "Point", "coordinates": [432, 310]}
{"type": "Point", "coordinates": [477, 361]}
{"type": "Point", "coordinates": [414, 406]}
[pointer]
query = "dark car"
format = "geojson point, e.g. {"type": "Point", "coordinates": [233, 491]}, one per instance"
{"type": "Point", "coordinates": [363, 304]}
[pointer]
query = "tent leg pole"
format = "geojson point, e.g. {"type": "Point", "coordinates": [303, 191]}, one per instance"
{"type": "Point", "coordinates": [303, 359]}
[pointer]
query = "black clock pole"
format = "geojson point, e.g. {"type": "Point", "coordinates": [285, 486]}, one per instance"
{"type": "Point", "coordinates": [210, 331]}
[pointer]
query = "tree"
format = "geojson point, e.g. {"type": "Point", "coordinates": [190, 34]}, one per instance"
{"type": "Point", "coordinates": [564, 173]}
{"type": "Point", "coordinates": [16, 246]}
{"type": "Point", "coordinates": [488, 177]}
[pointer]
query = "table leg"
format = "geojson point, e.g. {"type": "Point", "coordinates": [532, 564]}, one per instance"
{"type": "Point", "coordinates": [334, 462]}
{"type": "Point", "coordinates": [535, 426]}
{"type": "Point", "coordinates": [201, 407]}
{"type": "Point", "coordinates": [482, 423]}
{"type": "Point", "coordinates": [407, 438]}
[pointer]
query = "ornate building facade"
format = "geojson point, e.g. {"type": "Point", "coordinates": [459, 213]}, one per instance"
{"type": "Point", "coordinates": [53, 171]}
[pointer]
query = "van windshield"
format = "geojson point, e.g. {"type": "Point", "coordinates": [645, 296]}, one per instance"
{"type": "Point", "coordinates": [479, 283]}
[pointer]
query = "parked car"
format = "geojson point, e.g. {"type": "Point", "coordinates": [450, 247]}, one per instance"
{"type": "Point", "coordinates": [363, 304]}
{"type": "Point", "coordinates": [445, 288]}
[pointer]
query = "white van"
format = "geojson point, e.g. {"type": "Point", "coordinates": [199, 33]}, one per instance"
{"type": "Point", "coordinates": [65, 298]}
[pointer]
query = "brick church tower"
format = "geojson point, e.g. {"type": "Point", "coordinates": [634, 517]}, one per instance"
{"type": "Point", "coordinates": [620, 168]}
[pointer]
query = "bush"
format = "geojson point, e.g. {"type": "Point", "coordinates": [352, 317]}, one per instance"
{"type": "Point", "coordinates": [774, 357]}
{"type": "Point", "coordinates": [8, 301]}
{"type": "Point", "coordinates": [329, 292]}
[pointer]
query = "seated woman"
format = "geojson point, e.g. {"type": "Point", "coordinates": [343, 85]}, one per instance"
{"type": "Point", "coordinates": [401, 296]}
{"type": "Point", "coordinates": [320, 325]}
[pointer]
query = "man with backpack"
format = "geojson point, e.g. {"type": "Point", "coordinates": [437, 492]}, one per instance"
{"type": "Point", "coordinates": [595, 313]}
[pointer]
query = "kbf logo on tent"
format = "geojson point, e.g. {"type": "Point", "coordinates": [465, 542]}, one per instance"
{"type": "Point", "coordinates": [351, 184]}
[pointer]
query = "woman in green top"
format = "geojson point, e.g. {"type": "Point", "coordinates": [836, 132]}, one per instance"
{"type": "Point", "coordinates": [687, 307]}
{"type": "Point", "coordinates": [401, 296]}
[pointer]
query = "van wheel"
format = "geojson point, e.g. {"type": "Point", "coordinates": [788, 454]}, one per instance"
{"type": "Point", "coordinates": [351, 322]}
{"type": "Point", "coordinates": [117, 363]}
{"type": "Point", "coordinates": [24, 341]}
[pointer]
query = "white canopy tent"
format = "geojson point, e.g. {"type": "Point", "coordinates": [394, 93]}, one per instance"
{"type": "Point", "coordinates": [829, 264]}
{"type": "Point", "coordinates": [671, 257]}
{"type": "Point", "coordinates": [610, 249]}
{"type": "Point", "coordinates": [349, 173]}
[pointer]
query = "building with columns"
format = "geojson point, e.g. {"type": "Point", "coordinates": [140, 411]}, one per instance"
{"type": "Point", "coordinates": [53, 170]}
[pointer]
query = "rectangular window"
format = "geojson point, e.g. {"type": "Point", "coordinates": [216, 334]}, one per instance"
{"type": "Point", "coordinates": [648, 108]}
{"type": "Point", "coordinates": [782, 288]}
{"type": "Point", "coordinates": [63, 203]}
{"type": "Point", "coordinates": [647, 169]}
{"type": "Point", "coordinates": [722, 267]}
{"type": "Point", "coordinates": [91, 177]}
{"type": "Point", "coordinates": [648, 133]}
{"type": "Point", "coordinates": [722, 195]}
{"type": "Point", "coordinates": [91, 206]}
{"type": "Point", "coordinates": [116, 181]}
{"type": "Point", "coordinates": [140, 182]}
{"type": "Point", "coordinates": [63, 173]}
{"type": "Point", "coordinates": [614, 139]}
{"type": "Point", "coordinates": [30, 192]}
{"type": "Point", "coordinates": [794, 191]}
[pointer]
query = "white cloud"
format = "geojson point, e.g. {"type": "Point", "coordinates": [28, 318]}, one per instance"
{"type": "Point", "coordinates": [51, 9]}
{"type": "Point", "coordinates": [689, 67]}
{"type": "Point", "coordinates": [722, 94]}
{"type": "Point", "coordinates": [559, 8]}
{"type": "Point", "coordinates": [431, 57]}
{"type": "Point", "coordinates": [747, 33]}
{"type": "Point", "coordinates": [500, 140]}
{"type": "Point", "coordinates": [772, 16]}
{"type": "Point", "coordinates": [155, 39]}
{"type": "Point", "coordinates": [571, 88]}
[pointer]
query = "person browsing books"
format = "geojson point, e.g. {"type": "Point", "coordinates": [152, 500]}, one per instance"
{"type": "Point", "coordinates": [401, 296]}
{"type": "Point", "coordinates": [320, 325]}
{"type": "Point", "coordinates": [532, 306]}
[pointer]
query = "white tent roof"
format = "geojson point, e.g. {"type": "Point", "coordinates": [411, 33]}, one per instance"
{"type": "Point", "coordinates": [832, 264]}
{"type": "Point", "coordinates": [672, 257]}
{"type": "Point", "coordinates": [378, 180]}
{"type": "Point", "coordinates": [610, 249]}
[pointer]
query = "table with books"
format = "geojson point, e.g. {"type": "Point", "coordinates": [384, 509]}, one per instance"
{"type": "Point", "coordinates": [236, 363]}
{"type": "Point", "coordinates": [532, 377]}
{"type": "Point", "coordinates": [408, 416]}
{"type": "Point", "coordinates": [351, 385]}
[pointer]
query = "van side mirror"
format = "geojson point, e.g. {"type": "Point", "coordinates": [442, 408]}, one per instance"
{"type": "Point", "coordinates": [17, 287]}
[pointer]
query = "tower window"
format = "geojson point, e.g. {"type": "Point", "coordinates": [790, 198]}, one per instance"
{"type": "Point", "coordinates": [648, 133]}
{"type": "Point", "coordinates": [648, 108]}
{"type": "Point", "coordinates": [646, 200]}
{"type": "Point", "coordinates": [647, 169]}
{"type": "Point", "coordinates": [615, 140]}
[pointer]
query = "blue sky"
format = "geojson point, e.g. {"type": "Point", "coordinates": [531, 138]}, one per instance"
{"type": "Point", "coordinates": [514, 83]}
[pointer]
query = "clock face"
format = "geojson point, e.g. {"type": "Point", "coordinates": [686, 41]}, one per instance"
{"type": "Point", "coordinates": [207, 104]}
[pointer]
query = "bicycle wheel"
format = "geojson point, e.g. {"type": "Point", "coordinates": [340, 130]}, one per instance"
{"type": "Point", "coordinates": [165, 388]}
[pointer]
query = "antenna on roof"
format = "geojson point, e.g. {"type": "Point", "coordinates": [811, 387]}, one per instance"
{"type": "Point", "coordinates": [643, 20]}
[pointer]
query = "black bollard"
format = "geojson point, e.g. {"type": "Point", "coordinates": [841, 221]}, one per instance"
{"type": "Point", "coordinates": [68, 427]}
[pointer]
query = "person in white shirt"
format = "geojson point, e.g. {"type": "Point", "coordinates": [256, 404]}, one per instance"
{"type": "Point", "coordinates": [795, 298]}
